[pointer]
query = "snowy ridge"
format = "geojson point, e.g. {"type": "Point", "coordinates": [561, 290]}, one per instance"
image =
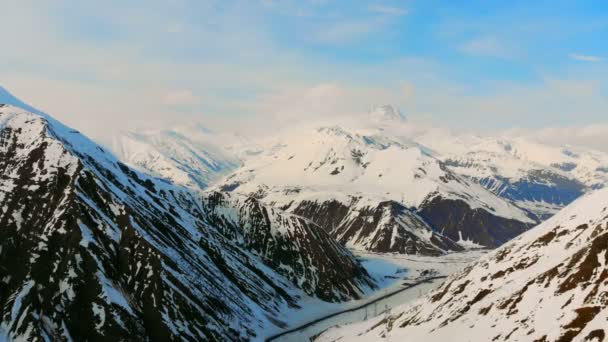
{"type": "Point", "coordinates": [335, 164]}
{"type": "Point", "coordinates": [549, 284]}
{"type": "Point", "coordinates": [538, 177]}
{"type": "Point", "coordinates": [105, 251]}
{"type": "Point", "coordinates": [386, 114]}
{"type": "Point", "coordinates": [190, 158]}
{"type": "Point", "coordinates": [333, 159]}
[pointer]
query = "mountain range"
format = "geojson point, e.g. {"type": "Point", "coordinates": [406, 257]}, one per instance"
{"type": "Point", "coordinates": [381, 184]}
{"type": "Point", "coordinates": [93, 249]}
{"type": "Point", "coordinates": [191, 234]}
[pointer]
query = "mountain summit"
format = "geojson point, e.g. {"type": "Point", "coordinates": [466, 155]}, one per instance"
{"type": "Point", "coordinates": [386, 113]}
{"type": "Point", "coordinates": [6, 98]}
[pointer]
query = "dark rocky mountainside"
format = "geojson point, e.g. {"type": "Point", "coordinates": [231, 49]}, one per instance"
{"type": "Point", "coordinates": [298, 248]}
{"type": "Point", "coordinates": [93, 250]}
{"type": "Point", "coordinates": [385, 227]}
{"type": "Point", "coordinates": [456, 220]}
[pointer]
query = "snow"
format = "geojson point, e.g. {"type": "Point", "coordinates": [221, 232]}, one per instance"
{"type": "Point", "coordinates": [18, 300]}
{"type": "Point", "coordinates": [391, 271]}
{"type": "Point", "coordinates": [335, 161]}
{"type": "Point", "coordinates": [514, 157]}
{"type": "Point", "coordinates": [99, 311]}
{"type": "Point", "coordinates": [468, 244]}
{"type": "Point", "coordinates": [190, 158]}
{"type": "Point", "coordinates": [331, 162]}
{"type": "Point", "coordinates": [524, 302]}
{"type": "Point", "coordinates": [72, 152]}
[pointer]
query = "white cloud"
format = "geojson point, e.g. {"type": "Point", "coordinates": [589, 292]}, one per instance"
{"type": "Point", "coordinates": [489, 46]}
{"type": "Point", "coordinates": [590, 136]}
{"type": "Point", "coordinates": [181, 97]}
{"type": "Point", "coordinates": [175, 28]}
{"type": "Point", "coordinates": [102, 88]}
{"type": "Point", "coordinates": [585, 58]}
{"type": "Point", "coordinates": [388, 10]}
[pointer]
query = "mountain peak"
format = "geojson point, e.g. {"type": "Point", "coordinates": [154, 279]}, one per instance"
{"type": "Point", "coordinates": [386, 113]}
{"type": "Point", "coordinates": [6, 98]}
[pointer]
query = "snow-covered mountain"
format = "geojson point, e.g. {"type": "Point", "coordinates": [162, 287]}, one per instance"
{"type": "Point", "coordinates": [356, 177]}
{"type": "Point", "coordinates": [550, 284]}
{"type": "Point", "coordinates": [386, 114]}
{"type": "Point", "coordinates": [93, 249]}
{"type": "Point", "coordinates": [377, 191]}
{"type": "Point", "coordinates": [191, 156]}
{"type": "Point", "coordinates": [536, 176]}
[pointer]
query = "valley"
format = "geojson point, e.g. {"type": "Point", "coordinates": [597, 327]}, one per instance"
{"type": "Point", "coordinates": [303, 171]}
{"type": "Point", "coordinates": [402, 279]}
{"type": "Point", "coordinates": [328, 233]}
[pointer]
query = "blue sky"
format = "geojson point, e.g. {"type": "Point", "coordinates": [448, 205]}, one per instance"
{"type": "Point", "coordinates": [102, 66]}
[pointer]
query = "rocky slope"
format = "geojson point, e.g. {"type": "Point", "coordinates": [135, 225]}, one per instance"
{"type": "Point", "coordinates": [377, 191]}
{"type": "Point", "coordinates": [550, 284]}
{"type": "Point", "coordinates": [385, 226]}
{"type": "Point", "coordinates": [297, 248]}
{"type": "Point", "coordinates": [92, 249]}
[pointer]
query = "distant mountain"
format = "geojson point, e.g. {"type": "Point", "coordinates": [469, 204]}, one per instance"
{"type": "Point", "coordinates": [386, 114]}
{"type": "Point", "coordinates": [377, 191]}
{"type": "Point", "coordinates": [91, 249]}
{"type": "Point", "coordinates": [381, 183]}
{"type": "Point", "coordinates": [540, 178]}
{"type": "Point", "coordinates": [550, 284]}
{"type": "Point", "coordinates": [190, 156]}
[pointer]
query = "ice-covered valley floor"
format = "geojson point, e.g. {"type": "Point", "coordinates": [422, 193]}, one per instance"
{"type": "Point", "coordinates": [394, 272]}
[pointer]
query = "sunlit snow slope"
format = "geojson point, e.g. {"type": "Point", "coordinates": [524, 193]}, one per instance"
{"type": "Point", "coordinates": [537, 177]}
{"type": "Point", "coordinates": [550, 284]}
{"type": "Point", "coordinates": [190, 156]}
{"type": "Point", "coordinates": [377, 191]}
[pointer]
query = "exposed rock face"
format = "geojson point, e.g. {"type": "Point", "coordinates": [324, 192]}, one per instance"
{"type": "Point", "coordinates": [458, 221]}
{"type": "Point", "coordinates": [296, 247]}
{"type": "Point", "coordinates": [549, 284]}
{"type": "Point", "coordinates": [385, 227]}
{"type": "Point", "coordinates": [93, 250]}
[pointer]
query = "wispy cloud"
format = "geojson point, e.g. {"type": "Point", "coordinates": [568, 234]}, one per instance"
{"type": "Point", "coordinates": [388, 10]}
{"type": "Point", "coordinates": [175, 28]}
{"type": "Point", "coordinates": [488, 46]}
{"type": "Point", "coordinates": [181, 97]}
{"type": "Point", "coordinates": [585, 58]}
{"type": "Point", "coordinates": [344, 32]}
